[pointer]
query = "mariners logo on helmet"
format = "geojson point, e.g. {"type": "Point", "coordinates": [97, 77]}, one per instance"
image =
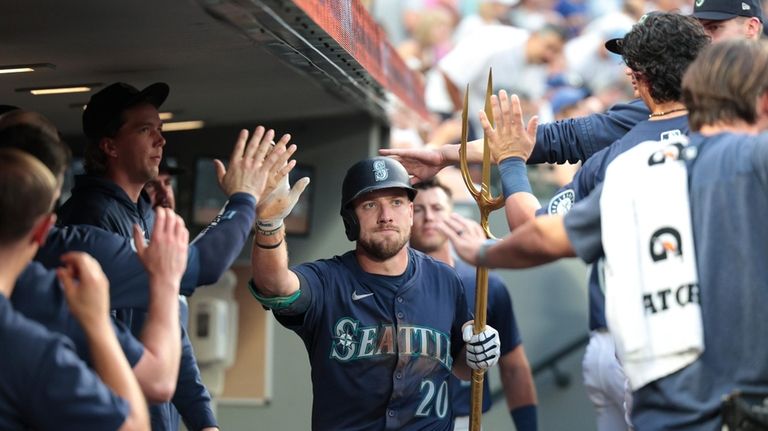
{"type": "Point", "coordinates": [380, 171]}
{"type": "Point", "coordinates": [664, 241]}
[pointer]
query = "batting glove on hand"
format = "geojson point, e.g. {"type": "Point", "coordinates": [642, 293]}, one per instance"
{"type": "Point", "coordinates": [483, 349]}
{"type": "Point", "coordinates": [271, 212]}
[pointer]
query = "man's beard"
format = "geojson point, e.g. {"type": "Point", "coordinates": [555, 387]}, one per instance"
{"type": "Point", "coordinates": [384, 248]}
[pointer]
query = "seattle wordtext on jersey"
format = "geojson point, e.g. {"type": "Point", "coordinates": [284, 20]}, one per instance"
{"type": "Point", "coordinates": [352, 342]}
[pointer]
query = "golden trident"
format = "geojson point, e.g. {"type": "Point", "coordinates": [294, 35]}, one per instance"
{"type": "Point", "coordinates": [486, 203]}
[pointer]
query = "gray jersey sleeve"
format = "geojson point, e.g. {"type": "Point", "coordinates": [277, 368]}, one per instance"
{"type": "Point", "coordinates": [582, 224]}
{"type": "Point", "coordinates": [760, 157]}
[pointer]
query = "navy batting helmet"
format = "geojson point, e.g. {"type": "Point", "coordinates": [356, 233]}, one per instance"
{"type": "Point", "coordinates": [366, 176]}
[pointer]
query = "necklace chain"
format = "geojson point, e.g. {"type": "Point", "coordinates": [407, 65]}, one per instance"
{"type": "Point", "coordinates": [663, 113]}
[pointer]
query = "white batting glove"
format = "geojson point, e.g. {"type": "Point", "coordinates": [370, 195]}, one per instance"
{"type": "Point", "coordinates": [483, 349]}
{"type": "Point", "coordinates": [271, 212]}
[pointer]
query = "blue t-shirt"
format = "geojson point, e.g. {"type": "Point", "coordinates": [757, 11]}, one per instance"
{"type": "Point", "coordinates": [728, 186]}
{"type": "Point", "coordinates": [592, 173]}
{"type": "Point", "coordinates": [45, 386]}
{"type": "Point", "coordinates": [381, 348]}
{"type": "Point", "coordinates": [500, 316]}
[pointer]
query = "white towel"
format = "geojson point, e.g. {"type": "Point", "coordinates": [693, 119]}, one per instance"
{"type": "Point", "coordinates": [651, 298]}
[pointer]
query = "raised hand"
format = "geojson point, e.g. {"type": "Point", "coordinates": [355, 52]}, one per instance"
{"type": "Point", "coordinates": [165, 258]}
{"type": "Point", "coordinates": [271, 212]}
{"type": "Point", "coordinates": [251, 162]}
{"type": "Point", "coordinates": [86, 289]}
{"type": "Point", "coordinates": [466, 236]}
{"type": "Point", "coordinates": [421, 163]}
{"type": "Point", "coordinates": [508, 138]}
{"type": "Point", "coordinates": [278, 173]}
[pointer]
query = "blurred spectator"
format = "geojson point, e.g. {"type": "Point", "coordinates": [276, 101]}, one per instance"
{"type": "Point", "coordinates": [431, 40]}
{"type": "Point", "coordinates": [566, 102]}
{"type": "Point", "coordinates": [597, 8]}
{"type": "Point", "coordinates": [397, 17]}
{"type": "Point", "coordinates": [519, 60]}
{"type": "Point", "coordinates": [626, 17]}
{"type": "Point", "coordinates": [533, 15]}
{"type": "Point", "coordinates": [489, 12]}
{"type": "Point", "coordinates": [587, 58]}
{"type": "Point", "coordinates": [684, 7]}
{"type": "Point", "coordinates": [574, 13]}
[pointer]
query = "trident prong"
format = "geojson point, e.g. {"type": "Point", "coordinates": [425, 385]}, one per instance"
{"type": "Point", "coordinates": [486, 203]}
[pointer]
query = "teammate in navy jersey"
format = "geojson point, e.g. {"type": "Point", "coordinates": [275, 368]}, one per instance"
{"type": "Point", "coordinates": [124, 149]}
{"type": "Point", "coordinates": [43, 383]}
{"type": "Point", "coordinates": [38, 295]}
{"type": "Point", "coordinates": [729, 170]}
{"type": "Point", "coordinates": [727, 19]}
{"type": "Point", "coordinates": [210, 254]}
{"type": "Point", "coordinates": [384, 325]}
{"type": "Point", "coordinates": [657, 50]}
{"type": "Point", "coordinates": [433, 203]}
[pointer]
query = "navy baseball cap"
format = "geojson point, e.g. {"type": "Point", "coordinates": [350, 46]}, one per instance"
{"type": "Point", "coordinates": [105, 107]}
{"type": "Point", "coordinates": [720, 10]}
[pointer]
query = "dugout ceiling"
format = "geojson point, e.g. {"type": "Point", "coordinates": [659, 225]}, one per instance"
{"type": "Point", "coordinates": [227, 61]}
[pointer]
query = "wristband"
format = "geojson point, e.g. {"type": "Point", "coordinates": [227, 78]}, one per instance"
{"type": "Point", "coordinates": [263, 232]}
{"type": "Point", "coordinates": [483, 251]}
{"type": "Point", "coordinates": [275, 302]}
{"type": "Point", "coordinates": [268, 247]}
{"type": "Point", "coordinates": [268, 226]}
{"type": "Point", "coordinates": [514, 176]}
{"type": "Point", "coordinates": [524, 418]}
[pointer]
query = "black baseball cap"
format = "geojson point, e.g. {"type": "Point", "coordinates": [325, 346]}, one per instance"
{"type": "Point", "coordinates": [615, 45]}
{"type": "Point", "coordinates": [8, 108]}
{"type": "Point", "coordinates": [105, 107]}
{"type": "Point", "coordinates": [720, 10]}
{"type": "Point", "coordinates": [166, 168]}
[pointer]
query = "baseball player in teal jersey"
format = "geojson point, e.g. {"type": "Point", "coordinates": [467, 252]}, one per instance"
{"type": "Point", "coordinates": [384, 325]}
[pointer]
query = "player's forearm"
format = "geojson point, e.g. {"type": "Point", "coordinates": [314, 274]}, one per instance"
{"type": "Point", "coordinates": [460, 368]}
{"type": "Point", "coordinates": [520, 204]}
{"type": "Point", "coordinates": [269, 260]}
{"type": "Point", "coordinates": [110, 364]}
{"type": "Point", "coordinates": [520, 208]}
{"type": "Point", "coordinates": [516, 379]}
{"type": "Point", "coordinates": [192, 399]}
{"type": "Point", "coordinates": [158, 372]}
{"type": "Point", "coordinates": [220, 242]}
{"type": "Point", "coordinates": [537, 242]}
{"type": "Point", "coordinates": [560, 142]}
